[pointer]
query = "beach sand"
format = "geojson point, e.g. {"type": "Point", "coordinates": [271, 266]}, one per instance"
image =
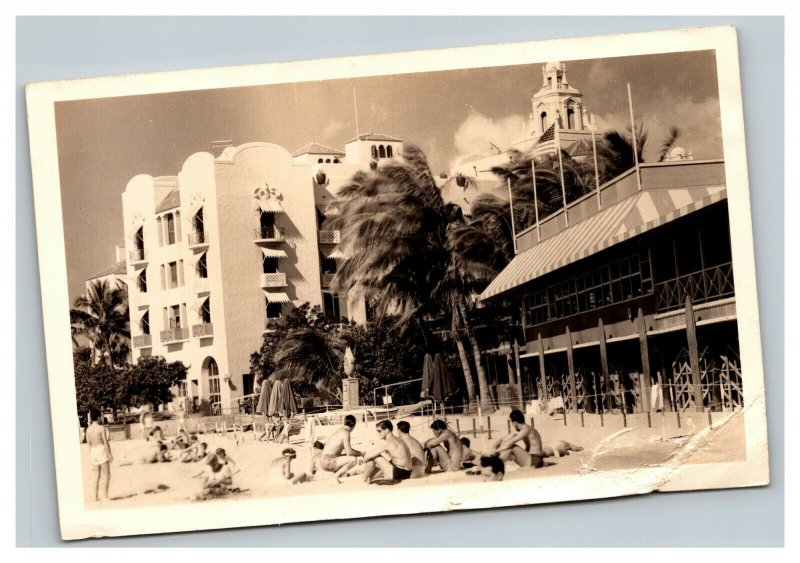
{"type": "Point", "coordinates": [606, 447]}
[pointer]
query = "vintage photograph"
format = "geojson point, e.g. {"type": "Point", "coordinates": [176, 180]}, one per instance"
{"type": "Point", "coordinates": [483, 277]}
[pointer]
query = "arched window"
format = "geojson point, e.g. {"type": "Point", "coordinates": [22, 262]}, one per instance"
{"type": "Point", "coordinates": [336, 161]}
{"type": "Point", "coordinates": [549, 81]}
{"type": "Point", "coordinates": [328, 160]}
{"type": "Point", "coordinates": [199, 225]}
{"type": "Point", "coordinates": [381, 152]}
{"type": "Point", "coordinates": [202, 266]}
{"type": "Point", "coordinates": [170, 228]}
{"type": "Point", "coordinates": [374, 151]}
{"type": "Point", "coordinates": [389, 151]}
{"type": "Point", "coordinates": [543, 118]}
{"type": "Point", "coordinates": [142, 281]}
{"type": "Point", "coordinates": [570, 118]}
{"type": "Point", "coordinates": [319, 161]}
{"type": "Point", "coordinates": [145, 324]}
{"type": "Point", "coordinates": [214, 395]}
{"type": "Point", "coordinates": [205, 311]}
{"type": "Point", "coordinates": [274, 310]}
{"type": "Point", "coordinates": [138, 239]}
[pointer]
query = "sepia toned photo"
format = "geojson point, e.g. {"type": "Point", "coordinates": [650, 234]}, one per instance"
{"type": "Point", "coordinates": [395, 284]}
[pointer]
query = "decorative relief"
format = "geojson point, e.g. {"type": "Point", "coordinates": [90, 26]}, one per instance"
{"type": "Point", "coordinates": [268, 199]}
{"type": "Point", "coordinates": [198, 200]}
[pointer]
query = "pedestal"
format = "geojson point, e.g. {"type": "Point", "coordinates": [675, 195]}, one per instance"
{"type": "Point", "coordinates": [350, 392]}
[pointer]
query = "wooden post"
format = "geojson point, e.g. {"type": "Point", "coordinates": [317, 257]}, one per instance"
{"type": "Point", "coordinates": [542, 373]}
{"type": "Point", "coordinates": [510, 370]}
{"type": "Point", "coordinates": [622, 402]}
{"type": "Point", "coordinates": [710, 422]}
{"type": "Point", "coordinates": [678, 417]}
{"type": "Point", "coordinates": [604, 364]}
{"type": "Point", "coordinates": [458, 427]}
{"type": "Point", "coordinates": [519, 373]}
{"type": "Point", "coordinates": [508, 426]}
{"type": "Point", "coordinates": [474, 429]}
{"type": "Point", "coordinates": [694, 356]}
{"type": "Point", "coordinates": [581, 419]}
{"type": "Point", "coordinates": [533, 424]}
{"type": "Point", "coordinates": [643, 349]}
{"type": "Point", "coordinates": [573, 388]}
{"type": "Point", "coordinates": [489, 425]}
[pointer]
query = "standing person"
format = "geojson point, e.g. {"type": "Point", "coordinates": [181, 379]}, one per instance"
{"type": "Point", "coordinates": [508, 446]}
{"type": "Point", "coordinates": [332, 459]}
{"type": "Point", "coordinates": [180, 419]}
{"type": "Point", "coordinates": [146, 422]}
{"type": "Point", "coordinates": [391, 456]}
{"type": "Point", "coordinates": [99, 453]}
{"type": "Point", "coordinates": [416, 449]}
{"type": "Point", "coordinates": [449, 459]}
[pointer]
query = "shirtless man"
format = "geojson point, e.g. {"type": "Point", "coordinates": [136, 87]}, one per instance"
{"type": "Point", "coordinates": [196, 452]}
{"type": "Point", "coordinates": [332, 459]}
{"type": "Point", "coordinates": [155, 453]}
{"type": "Point", "coordinates": [492, 468]}
{"type": "Point", "coordinates": [280, 469]}
{"type": "Point", "coordinates": [99, 453]}
{"type": "Point", "coordinates": [217, 478]}
{"type": "Point", "coordinates": [560, 448]}
{"type": "Point", "coordinates": [449, 459]}
{"type": "Point", "coordinates": [508, 446]}
{"type": "Point", "coordinates": [391, 456]}
{"type": "Point", "coordinates": [417, 452]}
{"type": "Point", "coordinates": [469, 456]}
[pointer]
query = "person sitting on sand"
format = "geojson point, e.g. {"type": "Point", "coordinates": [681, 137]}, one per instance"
{"type": "Point", "coordinates": [559, 448]}
{"type": "Point", "coordinates": [227, 461]}
{"type": "Point", "coordinates": [492, 468]}
{"type": "Point", "coordinates": [469, 456]}
{"type": "Point", "coordinates": [156, 452]}
{"type": "Point", "coordinates": [449, 459]}
{"type": "Point", "coordinates": [280, 470]}
{"type": "Point", "coordinates": [195, 452]}
{"type": "Point", "coordinates": [391, 456]}
{"type": "Point", "coordinates": [156, 434]}
{"type": "Point", "coordinates": [216, 478]}
{"type": "Point", "coordinates": [181, 441]}
{"type": "Point", "coordinates": [99, 453]}
{"type": "Point", "coordinates": [417, 452]}
{"type": "Point", "coordinates": [508, 447]}
{"type": "Point", "coordinates": [332, 459]}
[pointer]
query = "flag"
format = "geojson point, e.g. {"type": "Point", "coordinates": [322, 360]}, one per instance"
{"type": "Point", "coordinates": [548, 135]}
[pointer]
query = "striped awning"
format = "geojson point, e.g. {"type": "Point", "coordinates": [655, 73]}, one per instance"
{"type": "Point", "coordinates": [198, 304]}
{"type": "Point", "coordinates": [273, 252]}
{"type": "Point", "coordinates": [277, 297]}
{"type": "Point", "coordinates": [619, 222]}
{"type": "Point", "coordinates": [270, 205]}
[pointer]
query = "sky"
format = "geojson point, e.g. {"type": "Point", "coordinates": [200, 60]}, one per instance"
{"type": "Point", "coordinates": [451, 115]}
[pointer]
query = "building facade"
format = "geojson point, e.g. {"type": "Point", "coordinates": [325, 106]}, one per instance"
{"type": "Point", "coordinates": [218, 252]}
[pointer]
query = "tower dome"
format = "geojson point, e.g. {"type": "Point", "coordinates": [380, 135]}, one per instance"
{"type": "Point", "coordinates": [552, 66]}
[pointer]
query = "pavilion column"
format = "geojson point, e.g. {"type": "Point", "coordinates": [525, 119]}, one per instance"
{"type": "Point", "coordinates": [694, 355]}
{"type": "Point", "coordinates": [604, 364]}
{"type": "Point", "coordinates": [518, 370]}
{"type": "Point", "coordinates": [573, 388]}
{"type": "Point", "coordinates": [646, 381]}
{"type": "Point", "coordinates": [542, 374]}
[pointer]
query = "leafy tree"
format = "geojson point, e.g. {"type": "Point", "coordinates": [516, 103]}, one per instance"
{"type": "Point", "coordinates": [102, 316]}
{"type": "Point", "coordinates": [150, 381]}
{"type": "Point", "coordinates": [97, 385]}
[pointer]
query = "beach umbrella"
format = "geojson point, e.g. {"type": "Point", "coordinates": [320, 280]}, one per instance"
{"type": "Point", "coordinates": [289, 399]}
{"type": "Point", "coordinates": [427, 372]}
{"type": "Point", "coordinates": [263, 398]}
{"type": "Point", "coordinates": [442, 384]}
{"type": "Point", "coordinates": [276, 405]}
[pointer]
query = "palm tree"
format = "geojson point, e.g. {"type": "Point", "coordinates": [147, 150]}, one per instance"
{"type": "Point", "coordinates": [395, 231]}
{"type": "Point", "coordinates": [668, 143]}
{"type": "Point", "coordinates": [311, 356]}
{"type": "Point", "coordinates": [615, 153]}
{"type": "Point", "coordinates": [102, 316]}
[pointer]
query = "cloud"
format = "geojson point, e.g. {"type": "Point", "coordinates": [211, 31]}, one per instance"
{"type": "Point", "coordinates": [473, 137]}
{"type": "Point", "coordinates": [332, 130]}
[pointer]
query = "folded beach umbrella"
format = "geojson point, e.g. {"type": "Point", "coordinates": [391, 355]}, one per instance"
{"type": "Point", "coordinates": [276, 405]}
{"type": "Point", "coordinates": [427, 372]}
{"type": "Point", "coordinates": [442, 383]}
{"type": "Point", "coordinates": [289, 400]}
{"type": "Point", "coordinates": [263, 398]}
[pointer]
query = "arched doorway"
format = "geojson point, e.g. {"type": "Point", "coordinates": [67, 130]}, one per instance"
{"type": "Point", "coordinates": [211, 375]}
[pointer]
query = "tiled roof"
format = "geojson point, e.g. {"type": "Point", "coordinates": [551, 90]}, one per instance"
{"type": "Point", "coordinates": [317, 148]}
{"type": "Point", "coordinates": [172, 201]}
{"type": "Point", "coordinates": [120, 268]}
{"type": "Point", "coordinates": [375, 137]}
{"type": "Point", "coordinates": [580, 148]}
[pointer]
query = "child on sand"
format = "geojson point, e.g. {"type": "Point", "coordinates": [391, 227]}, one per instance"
{"type": "Point", "coordinates": [99, 453]}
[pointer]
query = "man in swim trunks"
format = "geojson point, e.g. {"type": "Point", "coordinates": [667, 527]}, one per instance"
{"type": "Point", "coordinates": [449, 459]}
{"type": "Point", "coordinates": [470, 457]}
{"type": "Point", "coordinates": [391, 456]}
{"type": "Point", "coordinates": [509, 446]}
{"type": "Point", "coordinates": [332, 459]}
{"type": "Point", "coordinates": [416, 449]}
{"type": "Point", "coordinates": [99, 453]}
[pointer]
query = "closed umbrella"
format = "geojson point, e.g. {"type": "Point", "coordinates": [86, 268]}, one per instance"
{"type": "Point", "coordinates": [276, 405]}
{"type": "Point", "coordinates": [427, 372]}
{"type": "Point", "coordinates": [442, 383]}
{"type": "Point", "coordinates": [289, 400]}
{"type": "Point", "coordinates": [263, 398]}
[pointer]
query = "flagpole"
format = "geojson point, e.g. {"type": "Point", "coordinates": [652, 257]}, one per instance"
{"type": "Point", "coordinates": [355, 107]}
{"type": "Point", "coordinates": [535, 199]}
{"type": "Point", "coordinates": [633, 136]}
{"type": "Point", "coordinates": [596, 173]}
{"type": "Point", "coordinates": [513, 230]}
{"type": "Point", "coordinates": [561, 168]}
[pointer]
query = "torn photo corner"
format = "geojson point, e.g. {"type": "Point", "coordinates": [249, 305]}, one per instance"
{"type": "Point", "coordinates": [396, 284]}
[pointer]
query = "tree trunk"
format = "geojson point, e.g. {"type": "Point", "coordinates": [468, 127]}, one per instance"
{"type": "Point", "coordinates": [462, 354]}
{"type": "Point", "coordinates": [483, 384]}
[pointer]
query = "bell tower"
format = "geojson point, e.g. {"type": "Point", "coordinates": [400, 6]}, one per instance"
{"type": "Point", "coordinates": [555, 101]}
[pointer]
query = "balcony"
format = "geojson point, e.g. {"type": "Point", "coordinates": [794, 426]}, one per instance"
{"type": "Point", "coordinates": [329, 237]}
{"type": "Point", "coordinates": [143, 341]}
{"type": "Point", "coordinates": [198, 240]}
{"type": "Point", "coordinates": [174, 335]}
{"type": "Point", "coordinates": [268, 234]}
{"type": "Point", "coordinates": [327, 280]}
{"type": "Point", "coordinates": [138, 256]}
{"type": "Point", "coordinates": [704, 286]}
{"type": "Point", "coordinates": [204, 330]}
{"type": "Point", "coordinates": [274, 279]}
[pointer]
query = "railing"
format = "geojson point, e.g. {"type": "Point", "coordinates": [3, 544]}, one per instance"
{"type": "Point", "coordinates": [274, 279]}
{"type": "Point", "coordinates": [138, 255]}
{"type": "Point", "coordinates": [329, 237]}
{"type": "Point", "coordinates": [268, 233]}
{"type": "Point", "coordinates": [175, 335]}
{"type": "Point", "coordinates": [700, 287]}
{"type": "Point", "coordinates": [327, 279]}
{"type": "Point", "coordinates": [203, 330]}
{"type": "Point", "coordinates": [197, 238]}
{"type": "Point", "coordinates": [142, 340]}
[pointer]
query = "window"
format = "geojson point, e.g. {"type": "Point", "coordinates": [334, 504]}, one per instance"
{"type": "Point", "coordinates": [175, 317]}
{"type": "Point", "coordinates": [172, 268]}
{"type": "Point", "coordinates": [374, 151]}
{"type": "Point", "coordinates": [205, 311]}
{"type": "Point", "coordinates": [214, 395]}
{"type": "Point", "coordinates": [138, 239]}
{"type": "Point", "coordinates": [389, 151]}
{"type": "Point", "coordinates": [336, 161]}
{"type": "Point", "coordinates": [160, 229]}
{"type": "Point", "coordinates": [274, 310]}
{"type": "Point", "coordinates": [198, 222]}
{"type": "Point", "coordinates": [570, 118]}
{"type": "Point", "coordinates": [141, 281]}
{"type": "Point", "coordinates": [543, 118]}
{"type": "Point", "coordinates": [163, 277]}
{"type": "Point", "coordinates": [170, 228]}
{"type": "Point", "coordinates": [145, 323]}
{"type": "Point", "coordinates": [202, 266]}
{"type": "Point", "coordinates": [381, 152]}
{"type": "Point", "coordinates": [319, 161]}
{"type": "Point", "coordinates": [328, 160]}
{"type": "Point", "coordinates": [330, 302]}
{"type": "Point", "coordinates": [549, 81]}
{"type": "Point", "coordinates": [267, 225]}
{"type": "Point", "coordinates": [270, 265]}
